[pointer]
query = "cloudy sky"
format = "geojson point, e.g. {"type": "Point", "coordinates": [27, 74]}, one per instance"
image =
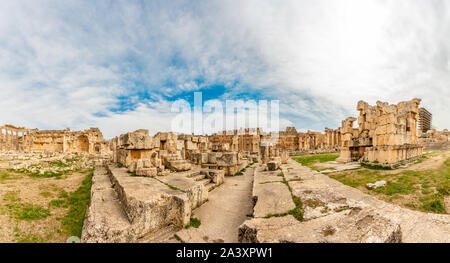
{"type": "Point", "coordinates": [119, 65]}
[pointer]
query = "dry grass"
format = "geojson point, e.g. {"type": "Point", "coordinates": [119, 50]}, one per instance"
{"type": "Point", "coordinates": [29, 212]}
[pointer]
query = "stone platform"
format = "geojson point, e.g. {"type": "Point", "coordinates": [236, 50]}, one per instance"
{"type": "Point", "coordinates": [127, 208]}
{"type": "Point", "coordinates": [334, 212]}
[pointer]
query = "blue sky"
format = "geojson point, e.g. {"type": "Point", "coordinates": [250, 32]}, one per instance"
{"type": "Point", "coordinates": [118, 65]}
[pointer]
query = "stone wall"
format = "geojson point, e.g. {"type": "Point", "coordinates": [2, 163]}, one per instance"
{"type": "Point", "coordinates": [21, 139]}
{"type": "Point", "coordinates": [386, 133]}
{"type": "Point", "coordinates": [435, 140]}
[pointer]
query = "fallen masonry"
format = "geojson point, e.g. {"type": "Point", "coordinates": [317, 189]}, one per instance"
{"type": "Point", "coordinates": [127, 208]}
{"type": "Point", "coordinates": [386, 135]}
{"type": "Point", "coordinates": [333, 212]}
{"type": "Point", "coordinates": [148, 188]}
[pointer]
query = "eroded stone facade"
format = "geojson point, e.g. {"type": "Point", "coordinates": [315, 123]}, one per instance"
{"type": "Point", "coordinates": [20, 139]}
{"type": "Point", "coordinates": [386, 133]}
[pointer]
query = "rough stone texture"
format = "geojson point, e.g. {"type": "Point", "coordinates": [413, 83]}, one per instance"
{"type": "Point", "coordinates": [271, 195]}
{"type": "Point", "coordinates": [137, 140]}
{"type": "Point", "coordinates": [196, 192]}
{"type": "Point", "coordinates": [387, 134]}
{"type": "Point", "coordinates": [148, 203]}
{"type": "Point", "coordinates": [128, 208]}
{"type": "Point", "coordinates": [415, 226]}
{"type": "Point", "coordinates": [21, 139]}
{"type": "Point", "coordinates": [334, 212]}
{"type": "Point", "coordinates": [105, 220]}
{"type": "Point", "coordinates": [272, 165]}
{"type": "Point", "coordinates": [351, 226]}
{"type": "Point", "coordinates": [216, 176]}
{"type": "Point", "coordinates": [435, 140]}
{"type": "Point", "coordinates": [376, 184]}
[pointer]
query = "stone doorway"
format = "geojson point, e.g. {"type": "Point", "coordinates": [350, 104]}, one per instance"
{"type": "Point", "coordinates": [83, 144]}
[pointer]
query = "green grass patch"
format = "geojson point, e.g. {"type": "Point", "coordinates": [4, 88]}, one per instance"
{"type": "Point", "coordinates": [5, 176]}
{"type": "Point", "coordinates": [38, 174]}
{"type": "Point", "coordinates": [58, 203]}
{"type": "Point", "coordinates": [396, 188]}
{"type": "Point", "coordinates": [31, 239]}
{"type": "Point", "coordinates": [422, 190]}
{"type": "Point", "coordinates": [45, 194]}
{"type": "Point", "coordinates": [297, 212]}
{"type": "Point", "coordinates": [30, 212]}
{"type": "Point", "coordinates": [59, 164]}
{"type": "Point", "coordinates": [310, 160]}
{"type": "Point", "coordinates": [77, 202]}
{"type": "Point", "coordinates": [374, 167]}
{"type": "Point", "coordinates": [194, 222]}
{"type": "Point", "coordinates": [435, 206]}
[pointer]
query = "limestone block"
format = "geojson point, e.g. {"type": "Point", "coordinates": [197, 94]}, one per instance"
{"type": "Point", "coordinates": [376, 185]}
{"type": "Point", "coordinates": [216, 176]}
{"type": "Point", "coordinates": [149, 204]}
{"type": "Point", "coordinates": [227, 159]}
{"type": "Point", "coordinates": [212, 157]}
{"type": "Point", "coordinates": [147, 172]}
{"type": "Point", "coordinates": [350, 226]}
{"type": "Point", "coordinates": [272, 165]}
{"type": "Point", "coordinates": [179, 165]}
{"type": "Point", "coordinates": [391, 128]}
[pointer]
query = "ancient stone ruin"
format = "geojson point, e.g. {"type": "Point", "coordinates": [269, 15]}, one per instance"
{"type": "Point", "coordinates": [386, 134]}
{"type": "Point", "coordinates": [20, 139]}
{"type": "Point", "coordinates": [146, 188]}
{"type": "Point", "coordinates": [435, 140]}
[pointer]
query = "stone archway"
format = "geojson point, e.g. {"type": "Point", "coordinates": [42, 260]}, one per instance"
{"type": "Point", "coordinates": [83, 143]}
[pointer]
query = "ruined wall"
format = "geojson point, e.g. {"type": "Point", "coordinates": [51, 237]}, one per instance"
{"type": "Point", "coordinates": [25, 140]}
{"type": "Point", "coordinates": [386, 133]}
{"type": "Point", "coordinates": [14, 138]}
{"type": "Point", "coordinates": [294, 141]}
{"type": "Point", "coordinates": [435, 140]}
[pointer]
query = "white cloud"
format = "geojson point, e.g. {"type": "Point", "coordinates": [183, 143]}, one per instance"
{"type": "Point", "coordinates": [65, 64]}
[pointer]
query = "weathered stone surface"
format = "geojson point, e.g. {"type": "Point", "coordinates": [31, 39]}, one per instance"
{"type": "Point", "coordinates": [376, 184]}
{"type": "Point", "coordinates": [138, 140]}
{"type": "Point", "coordinates": [105, 221]}
{"type": "Point", "coordinates": [351, 226]}
{"type": "Point", "coordinates": [387, 134]}
{"type": "Point", "coordinates": [271, 197]}
{"type": "Point", "coordinates": [216, 176]}
{"type": "Point", "coordinates": [179, 165]}
{"type": "Point", "coordinates": [148, 203]}
{"type": "Point", "coordinates": [272, 165]}
{"type": "Point", "coordinates": [415, 226]}
{"type": "Point", "coordinates": [262, 176]}
{"type": "Point", "coordinates": [195, 191]}
{"type": "Point", "coordinates": [21, 139]}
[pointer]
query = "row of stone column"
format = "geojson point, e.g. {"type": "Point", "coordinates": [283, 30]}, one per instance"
{"type": "Point", "coordinates": [14, 139]}
{"type": "Point", "coordinates": [333, 137]}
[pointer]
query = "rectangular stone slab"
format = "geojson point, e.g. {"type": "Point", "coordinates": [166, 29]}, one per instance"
{"type": "Point", "coordinates": [271, 198]}
{"type": "Point", "coordinates": [149, 203]}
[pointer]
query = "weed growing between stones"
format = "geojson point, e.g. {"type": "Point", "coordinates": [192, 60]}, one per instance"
{"type": "Point", "coordinates": [194, 222]}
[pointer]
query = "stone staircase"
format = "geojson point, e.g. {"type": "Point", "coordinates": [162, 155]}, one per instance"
{"type": "Point", "coordinates": [175, 162]}
{"type": "Point", "coordinates": [199, 176]}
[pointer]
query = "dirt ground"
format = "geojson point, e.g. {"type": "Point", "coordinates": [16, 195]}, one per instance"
{"type": "Point", "coordinates": [227, 208]}
{"type": "Point", "coordinates": [17, 189]}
